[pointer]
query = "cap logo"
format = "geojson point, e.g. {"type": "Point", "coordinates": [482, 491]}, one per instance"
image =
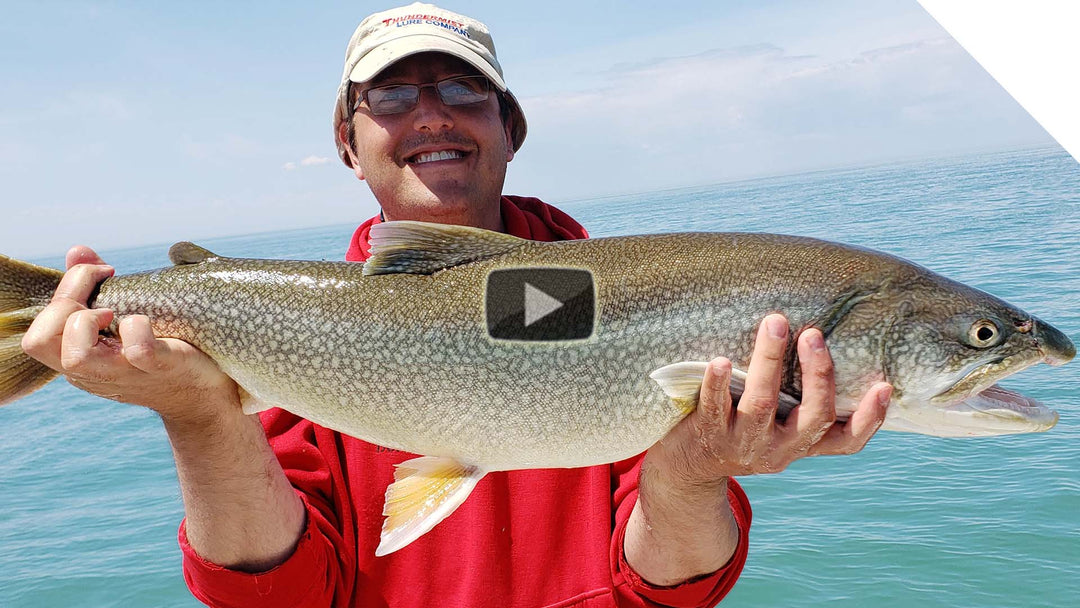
{"type": "Point", "coordinates": [447, 24]}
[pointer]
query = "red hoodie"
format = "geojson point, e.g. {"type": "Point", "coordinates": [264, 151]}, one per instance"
{"type": "Point", "coordinates": [531, 538]}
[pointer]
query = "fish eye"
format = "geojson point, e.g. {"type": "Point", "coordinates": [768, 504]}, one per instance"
{"type": "Point", "coordinates": [983, 333]}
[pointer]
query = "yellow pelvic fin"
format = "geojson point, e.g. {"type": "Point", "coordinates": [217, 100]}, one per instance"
{"type": "Point", "coordinates": [425, 491]}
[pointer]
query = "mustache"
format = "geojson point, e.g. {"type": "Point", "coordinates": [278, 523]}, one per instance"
{"type": "Point", "coordinates": [416, 141]}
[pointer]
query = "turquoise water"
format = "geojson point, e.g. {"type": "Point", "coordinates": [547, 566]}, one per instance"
{"type": "Point", "coordinates": [88, 497]}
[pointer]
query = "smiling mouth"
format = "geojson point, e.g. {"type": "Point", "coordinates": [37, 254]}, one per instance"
{"type": "Point", "coordinates": [431, 157]}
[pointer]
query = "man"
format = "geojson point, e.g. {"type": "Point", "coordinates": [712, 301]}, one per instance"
{"type": "Point", "coordinates": [281, 512]}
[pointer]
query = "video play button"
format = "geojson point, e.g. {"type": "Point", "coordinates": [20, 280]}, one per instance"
{"type": "Point", "coordinates": [539, 304]}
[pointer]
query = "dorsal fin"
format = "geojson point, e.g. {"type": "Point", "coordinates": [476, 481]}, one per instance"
{"type": "Point", "coordinates": [189, 253]}
{"type": "Point", "coordinates": [424, 248]}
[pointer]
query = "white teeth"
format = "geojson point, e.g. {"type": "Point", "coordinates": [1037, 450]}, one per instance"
{"type": "Point", "coordinates": [429, 157]}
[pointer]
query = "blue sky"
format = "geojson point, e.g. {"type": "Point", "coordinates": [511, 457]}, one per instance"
{"type": "Point", "coordinates": [127, 123]}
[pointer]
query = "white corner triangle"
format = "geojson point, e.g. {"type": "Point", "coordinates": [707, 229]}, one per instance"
{"type": "Point", "coordinates": [1030, 48]}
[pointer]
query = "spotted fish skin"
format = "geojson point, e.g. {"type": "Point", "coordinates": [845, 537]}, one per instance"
{"type": "Point", "coordinates": [403, 359]}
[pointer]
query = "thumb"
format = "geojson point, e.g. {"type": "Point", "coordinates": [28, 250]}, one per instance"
{"type": "Point", "coordinates": [81, 254]}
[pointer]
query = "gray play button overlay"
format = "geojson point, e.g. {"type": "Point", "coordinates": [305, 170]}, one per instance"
{"type": "Point", "coordinates": [539, 304]}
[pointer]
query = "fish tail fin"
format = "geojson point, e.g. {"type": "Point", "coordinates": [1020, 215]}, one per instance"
{"type": "Point", "coordinates": [425, 491]}
{"type": "Point", "coordinates": [25, 290]}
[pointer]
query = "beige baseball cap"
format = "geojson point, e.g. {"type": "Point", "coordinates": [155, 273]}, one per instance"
{"type": "Point", "coordinates": [384, 38]}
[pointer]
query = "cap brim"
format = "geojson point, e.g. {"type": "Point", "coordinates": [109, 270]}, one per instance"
{"type": "Point", "coordinates": [384, 55]}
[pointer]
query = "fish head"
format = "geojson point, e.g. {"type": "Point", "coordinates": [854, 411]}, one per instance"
{"type": "Point", "coordinates": [946, 347]}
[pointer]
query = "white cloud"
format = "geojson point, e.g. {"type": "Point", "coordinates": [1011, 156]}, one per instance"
{"type": "Point", "coordinates": [308, 161]}
{"type": "Point", "coordinates": [314, 160]}
{"type": "Point", "coordinates": [725, 88]}
{"type": "Point", "coordinates": [753, 110]}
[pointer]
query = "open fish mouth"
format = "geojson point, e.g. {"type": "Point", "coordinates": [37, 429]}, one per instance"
{"type": "Point", "coordinates": [975, 405]}
{"type": "Point", "coordinates": [1005, 409]}
{"type": "Point", "coordinates": [990, 412]}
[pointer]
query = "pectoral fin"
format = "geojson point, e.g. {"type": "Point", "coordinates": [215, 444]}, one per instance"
{"type": "Point", "coordinates": [682, 382]}
{"type": "Point", "coordinates": [425, 491]}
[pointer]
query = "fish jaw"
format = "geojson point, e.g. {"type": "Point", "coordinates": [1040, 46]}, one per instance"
{"type": "Point", "coordinates": [991, 412]}
{"type": "Point", "coordinates": [976, 406]}
{"type": "Point", "coordinates": [1008, 410]}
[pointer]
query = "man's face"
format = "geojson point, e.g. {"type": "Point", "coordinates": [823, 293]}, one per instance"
{"type": "Point", "coordinates": [435, 162]}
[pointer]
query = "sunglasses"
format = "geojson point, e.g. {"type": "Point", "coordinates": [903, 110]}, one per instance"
{"type": "Point", "coordinates": [398, 98]}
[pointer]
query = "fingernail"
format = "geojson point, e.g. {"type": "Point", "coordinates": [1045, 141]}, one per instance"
{"type": "Point", "coordinates": [722, 365]}
{"type": "Point", "coordinates": [884, 397]}
{"type": "Point", "coordinates": [777, 327]}
{"type": "Point", "coordinates": [816, 340]}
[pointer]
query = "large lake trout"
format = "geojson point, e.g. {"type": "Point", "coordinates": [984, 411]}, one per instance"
{"type": "Point", "coordinates": [402, 351]}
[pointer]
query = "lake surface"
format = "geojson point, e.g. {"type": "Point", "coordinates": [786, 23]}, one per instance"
{"type": "Point", "coordinates": [89, 505]}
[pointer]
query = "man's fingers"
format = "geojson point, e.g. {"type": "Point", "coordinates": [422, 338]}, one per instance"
{"type": "Point", "coordinates": [714, 401]}
{"type": "Point", "coordinates": [759, 396]}
{"type": "Point", "coordinates": [808, 422]}
{"type": "Point", "coordinates": [81, 350]}
{"type": "Point", "coordinates": [141, 348]}
{"type": "Point", "coordinates": [756, 412]}
{"type": "Point", "coordinates": [852, 436]}
{"type": "Point", "coordinates": [79, 282]}
{"type": "Point", "coordinates": [80, 254]}
{"type": "Point", "coordinates": [42, 339]}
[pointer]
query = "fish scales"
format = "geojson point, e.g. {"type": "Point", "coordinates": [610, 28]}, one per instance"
{"type": "Point", "coordinates": [406, 352]}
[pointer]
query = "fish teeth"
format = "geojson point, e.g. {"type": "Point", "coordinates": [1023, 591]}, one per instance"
{"type": "Point", "coordinates": [429, 157]}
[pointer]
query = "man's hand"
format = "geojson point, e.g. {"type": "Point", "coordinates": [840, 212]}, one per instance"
{"type": "Point", "coordinates": [682, 524]}
{"type": "Point", "coordinates": [242, 512]}
{"type": "Point", "coordinates": [718, 440]}
{"type": "Point", "coordinates": [170, 376]}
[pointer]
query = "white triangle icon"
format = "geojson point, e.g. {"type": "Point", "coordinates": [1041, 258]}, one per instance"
{"type": "Point", "coordinates": [538, 304]}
